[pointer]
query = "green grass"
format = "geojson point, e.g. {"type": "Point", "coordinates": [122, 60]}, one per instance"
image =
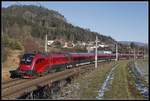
{"type": "Point", "coordinates": [131, 86]}
{"type": "Point", "coordinates": [123, 84]}
{"type": "Point", "coordinates": [122, 87]}
{"type": "Point", "coordinates": [93, 81]}
{"type": "Point", "coordinates": [119, 87]}
{"type": "Point", "coordinates": [142, 63]}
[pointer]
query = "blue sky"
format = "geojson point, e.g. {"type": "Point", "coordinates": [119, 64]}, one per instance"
{"type": "Point", "coordinates": [123, 21]}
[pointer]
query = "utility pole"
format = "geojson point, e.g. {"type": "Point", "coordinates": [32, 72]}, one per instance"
{"type": "Point", "coordinates": [46, 26]}
{"type": "Point", "coordinates": [46, 43]}
{"type": "Point", "coordinates": [137, 51]}
{"type": "Point", "coordinates": [116, 52]}
{"type": "Point", "coordinates": [143, 52]}
{"type": "Point", "coordinates": [96, 53]}
{"type": "Point", "coordinates": [129, 53]}
{"type": "Point", "coordinates": [134, 54]}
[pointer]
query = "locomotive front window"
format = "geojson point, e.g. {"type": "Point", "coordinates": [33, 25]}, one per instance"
{"type": "Point", "coordinates": [27, 59]}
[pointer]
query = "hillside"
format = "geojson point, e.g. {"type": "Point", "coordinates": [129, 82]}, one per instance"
{"type": "Point", "coordinates": [37, 21]}
{"type": "Point", "coordinates": [24, 28]}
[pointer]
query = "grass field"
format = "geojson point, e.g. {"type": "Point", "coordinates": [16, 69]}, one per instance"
{"type": "Point", "coordinates": [134, 93]}
{"type": "Point", "coordinates": [121, 87]}
{"type": "Point", "coordinates": [89, 83]}
{"type": "Point", "coordinates": [143, 65]}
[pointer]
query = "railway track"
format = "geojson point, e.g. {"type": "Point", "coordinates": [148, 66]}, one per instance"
{"type": "Point", "coordinates": [12, 89]}
{"type": "Point", "coordinates": [13, 83]}
{"type": "Point", "coordinates": [5, 82]}
{"type": "Point", "coordinates": [17, 87]}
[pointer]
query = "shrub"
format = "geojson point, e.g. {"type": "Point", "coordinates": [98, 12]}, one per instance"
{"type": "Point", "coordinates": [10, 43]}
{"type": "Point", "coordinates": [16, 45]}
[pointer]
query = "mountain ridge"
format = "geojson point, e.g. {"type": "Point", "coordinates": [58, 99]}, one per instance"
{"type": "Point", "coordinates": [137, 43]}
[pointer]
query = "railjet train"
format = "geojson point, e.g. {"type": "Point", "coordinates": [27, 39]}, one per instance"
{"type": "Point", "coordinates": [33, 65]}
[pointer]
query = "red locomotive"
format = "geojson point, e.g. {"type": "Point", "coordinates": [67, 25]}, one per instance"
{"type": "Point", "coordinates": [38, 64]}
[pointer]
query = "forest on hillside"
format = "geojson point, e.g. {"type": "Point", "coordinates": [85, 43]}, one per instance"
{"type": "Point", "coordinates": [25, 26]}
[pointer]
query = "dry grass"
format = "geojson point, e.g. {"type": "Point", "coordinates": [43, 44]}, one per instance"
{"type": "Point", "coordinates": [90, 83]}
{"type": "Point", "coordinates": [11, 63]}
{"type": "Point", "coordinates": [131, 85]}
{"type": "Point", "coordinates": [121, 88]}
{"type": "Point", "coordinates": [143, 65]}
{"type": "Point", "coordinates": [93, 82]}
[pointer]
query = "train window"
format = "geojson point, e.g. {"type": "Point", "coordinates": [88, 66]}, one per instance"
{"type": "Point", "coordinates": [39, 60]}
{"type": "Point", "coordinates": [27, 59]}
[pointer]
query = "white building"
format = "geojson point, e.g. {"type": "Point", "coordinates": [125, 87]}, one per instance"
{"type": "Point", "coordinates": [102, 45]}
{"type": "Point", "coordinates": [66, 45]}
{"type": "Point", "coordinates": [49, 42]}
{"type": "Point", "coordinates": [104, 52]}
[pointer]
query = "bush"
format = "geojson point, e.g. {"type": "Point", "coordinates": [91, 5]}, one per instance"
{"type": "Point", "coordinates": [5, 40]}
{"type": "Point", "coordinates": [5, 53]}
{"type": "Point", "coordinates": [10, 43]}
{"type": "Point", "coordinates": [16, 45]}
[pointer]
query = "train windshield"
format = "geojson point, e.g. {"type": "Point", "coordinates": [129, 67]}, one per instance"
{"type": "Point", "coordinates": [27, 59]}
